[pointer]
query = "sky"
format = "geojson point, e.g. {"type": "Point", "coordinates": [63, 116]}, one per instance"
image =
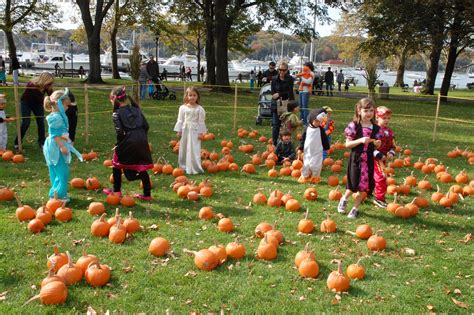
{"type": "Point", "coordinates": [68, 14]}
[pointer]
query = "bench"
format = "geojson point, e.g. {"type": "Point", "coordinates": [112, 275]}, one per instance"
{"type": "Point", "coordinates": [470, 86]}
{"type": "Point", "coordinates": [70, 73]}
{"type": "Point", "coordinates": [405, 87]}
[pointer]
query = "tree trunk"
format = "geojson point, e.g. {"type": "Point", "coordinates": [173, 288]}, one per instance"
{"type": "Point", "coordinates": [113, 38]}
{"type": "Point", "coordinates": [11, 47]}
{"type": "Point", "coordinates": [93, 43]}
{"type": "Point", "coordinates": [210, 48]}
{"type": "Point", "coordinates": [222, 36]}
{"type": "Point", "coordinates": [222, 64]}
{"type": "Point", "coordinates": [199, 59]}
{"type": "Point", "coordinates": [448, 73]}
{"type": "Point", "coordinates": [401, 68]}
{"type": "Point", "coordinates": [432, 70]}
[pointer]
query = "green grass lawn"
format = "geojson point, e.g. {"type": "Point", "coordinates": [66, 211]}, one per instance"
{"type": "Point", "coordinates": [440, 271]}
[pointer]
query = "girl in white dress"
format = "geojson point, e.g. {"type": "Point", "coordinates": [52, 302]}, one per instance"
{"type": "Point", "coordinates": [190, 127]}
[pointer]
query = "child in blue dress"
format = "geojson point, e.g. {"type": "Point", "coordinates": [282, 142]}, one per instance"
{"type": "Point", "coordinates": [58, 148]}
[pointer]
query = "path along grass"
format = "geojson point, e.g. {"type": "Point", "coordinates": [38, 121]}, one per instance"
{"type": "Point", "coordinates": [140, 282]}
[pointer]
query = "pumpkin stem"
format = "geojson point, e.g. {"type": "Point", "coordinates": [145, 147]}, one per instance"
{"type": "Point", "coordinates": [306, 214]}
{"type": "Point", "coordinates": [36, 297]}
{"type": "Point", "coordinates": [461, 196]}
{"type": "Point", "coordinates": [306, 247]}
{"type": "Point", "coordinates": [130, 215]}
{"type": "Point", "coordinates": [339, 267]}
{"type": "Point", "coordinates": [395, 199]}
{"type": "Point", "coordinates": [351, 233]}
{"type": "Point", "coordinates": [117, 212]}
{"type": "Point", "coordinates": [411, 174]}
{"type": "Point", "coordinates": [53, 265]}
{"type": "Point", "coordinates": [424, 178]}
{"type": "Point", "coordinates": [69, 260]}
{"type": "Point", "coordinates": [102, 217]}
{"type": "Point", "coordinates": [378, 232]}
{"type": "Point", "coordinates": [437, 187]}
{"type": "Point", "coordinates": [56, 250]}
{"type": "Point", "coordinates": [359, 260]}
{"type": "Point", "coordinates": [18, 201]}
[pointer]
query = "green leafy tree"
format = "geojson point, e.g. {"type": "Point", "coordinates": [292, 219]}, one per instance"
{"type": "Point", "coordinates": [22, 16]}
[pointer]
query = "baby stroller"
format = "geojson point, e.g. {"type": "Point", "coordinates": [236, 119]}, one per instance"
{"type": "Point", "coordinates": [264, 104]}
{"type": "Point", "coordinates": [161, 92]}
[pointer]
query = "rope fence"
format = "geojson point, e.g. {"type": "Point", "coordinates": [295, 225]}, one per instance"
{"type": "Point", "coordinates": [94, 91]}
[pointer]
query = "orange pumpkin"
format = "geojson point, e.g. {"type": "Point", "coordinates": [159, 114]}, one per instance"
{"type": "Point", "coordinates": [337, 281]}
{"type": "Point", "coordinates": [311, 194]}
{"type": "Point", "coordinates": [159, 247]}
{"type": "Point", "coordinates": [235, 250]}
{"type": "Point", "coordinates": [96, 208]}
{"type": "Point", "coordinates": [356, 271]}
{"type": "Point", "coordinates": [292, 205]}
{"type": "Point", "coordinates": [306, 225]}
{"type": "Point", "coordinates": [92, 183]}
{"type": "Point", "coordinates": [376, 242]}
{"type": "Point", "coordinates": [328, 225]}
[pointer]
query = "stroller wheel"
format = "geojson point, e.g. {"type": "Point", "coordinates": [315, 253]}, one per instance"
{"type": "Point", "coordinates": [173, 97]}
{"type": "Point", "coordinates": [259, 121]}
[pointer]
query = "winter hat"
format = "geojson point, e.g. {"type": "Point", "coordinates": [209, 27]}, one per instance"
{"type": "Point", "coordinates": [317, 113]}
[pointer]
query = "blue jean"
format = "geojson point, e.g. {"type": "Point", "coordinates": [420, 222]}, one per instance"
{"type": "Point", "coordinates": [276, 123]}
{"type": "Point", "coordinates": [304, 111]}
{"type": "Point", "coordinates": [143, 88]}
{"type": "Point", "coordinates": [329, 87]}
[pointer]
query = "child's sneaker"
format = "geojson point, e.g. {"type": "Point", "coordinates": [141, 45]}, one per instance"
{"type": "Point", "coordinates": [143, 197]}
{"type": "Point", "coordinates": [341, 207]}
{"type": "Point", "coordinates": [380, 203]}
{"type": "Point", "coordinates": [353, 214]}
{"type": "Point", "coordinates": [109, 191]}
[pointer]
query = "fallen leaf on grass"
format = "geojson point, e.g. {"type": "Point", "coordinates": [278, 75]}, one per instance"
{"type": "Point", "coordinates": [459, 303]}
{"type": "Point", "coordinates": [111, 295]}
{"type": "Point", "coordinates": [188, 301]}
{"type": "Point", "coordinates": [466, 239]}
{"type": "Point", "coordinates": [457, 291]}
{"type": "Point", "coordinates": [3, 296]}
{"type": "Point", "coordinates": [430, 307]}
{"type": "Point", "coordinates": [127, 269]}
{"type": "Point", "coordinates": [78, 242]}
{"type": "Point", "coordinates": [153, 227]}
{"type": "Point", "coordinates": [302, 298]}
{"type": "Point", "coordinates": [191, 274]}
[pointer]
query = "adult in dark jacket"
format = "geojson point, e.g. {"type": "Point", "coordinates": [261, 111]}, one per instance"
{"type": "Point", "coordinates": [15, 67]}
{"type": "Point", "coordinates": [132, 152]}
{"type": "Point", "coordinates": [282, 90]}
{"type": "Point", "coordinates": [329, 80]}
{"type": "Point", "coordinates": [152, 69]}
{"type": "Point", "coordinates": [32, 101]}
{"type": "Point", "coordinates": [270, 73]}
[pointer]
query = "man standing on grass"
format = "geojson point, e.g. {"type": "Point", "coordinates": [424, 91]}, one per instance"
{"type": "Point", "coordinates": [329, 80]}
{"type": "Point", "coordinates": [339, 80]}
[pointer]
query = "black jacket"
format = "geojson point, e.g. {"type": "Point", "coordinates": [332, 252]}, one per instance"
{"type": "Point", "coordinates": [283, 87]}
{"type": "Point", "coordinates": [285, 150]}
{"type": "Point", "coordinates": [131, 129]}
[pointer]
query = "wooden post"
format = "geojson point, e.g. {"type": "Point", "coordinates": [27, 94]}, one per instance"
{"type": "Point", "coordinates": [86, 108]}
{"type": "Point", "coordinates": [436, 116]}
{"type": "Point", "coordinates": [18, 118]}
{"type": "Point", "coordinates": [235, 110]}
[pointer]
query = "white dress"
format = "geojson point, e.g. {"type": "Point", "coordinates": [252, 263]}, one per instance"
{"type": "Point", "coordinates": [3, 131]}
{"type": "Point", "coordinates": [313, 153]}
{"type": "Point", "coordinates": [191, 123]}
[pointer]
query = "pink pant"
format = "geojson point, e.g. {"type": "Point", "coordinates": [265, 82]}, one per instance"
{"type": "Point", "coordinates": [380, 181]}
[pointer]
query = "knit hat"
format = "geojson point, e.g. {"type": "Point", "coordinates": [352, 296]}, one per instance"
{"type": "Point", "coordinates": [317, 114]}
